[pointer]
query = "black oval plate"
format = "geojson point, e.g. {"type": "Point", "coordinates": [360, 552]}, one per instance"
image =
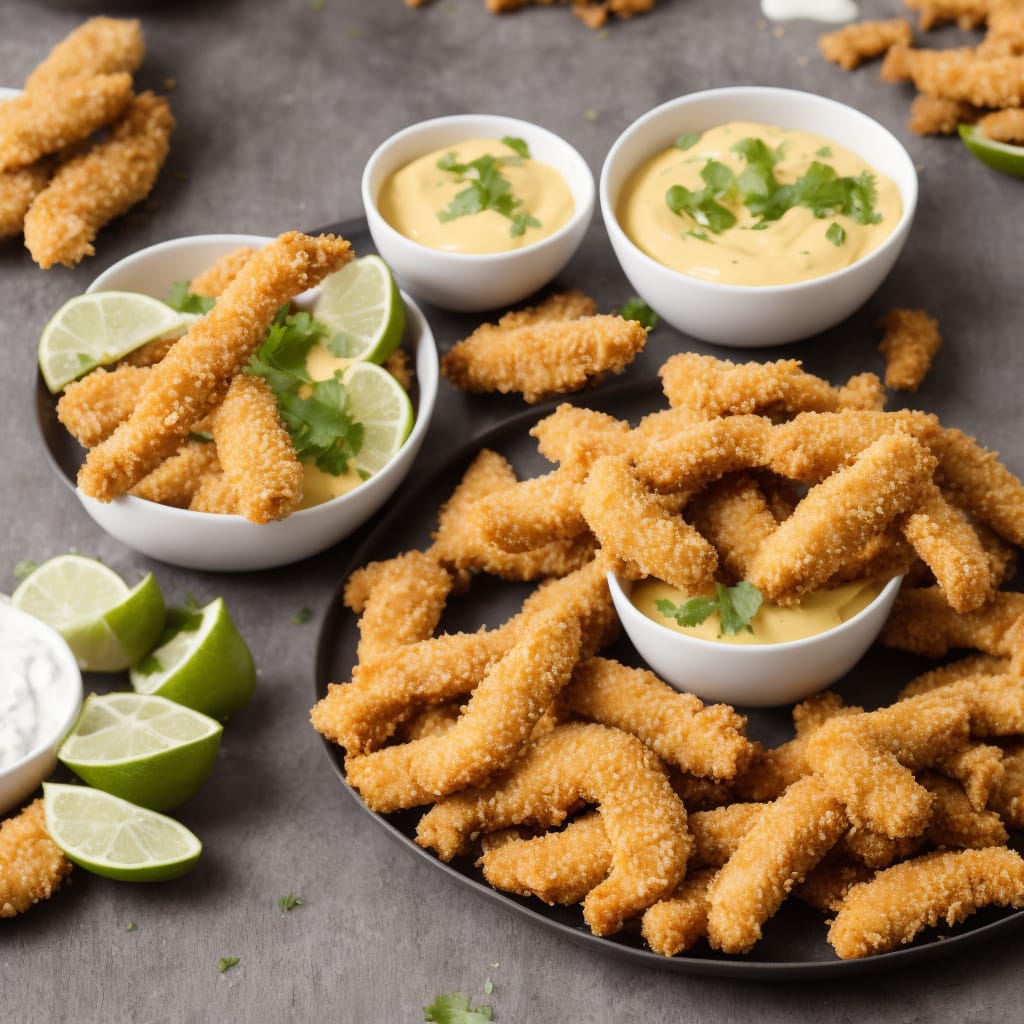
{"type": "Point", "coordinates": [794, 943]}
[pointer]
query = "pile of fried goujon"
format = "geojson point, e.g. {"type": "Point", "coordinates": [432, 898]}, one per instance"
{"type": "Point", "coordinates": [593, 13]}
{"type": "Point", "coordinates": [574, 778]}
{"type": "Point", "coordinates": [79, 148]}
{"type": "Point", "coordinates": [962, 85]}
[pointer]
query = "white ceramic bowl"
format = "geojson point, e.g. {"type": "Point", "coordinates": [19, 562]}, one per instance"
{"type": "Point", "coordinates": [752, 675]}
{"type": "Point", "coordinates": [229, 543]}
{"type": "Point", "coordinates": [465, 282]}
{"type": "Point", "coordinates": [60, 703]}
{"type": "Point", "coordinates": [738, 315]}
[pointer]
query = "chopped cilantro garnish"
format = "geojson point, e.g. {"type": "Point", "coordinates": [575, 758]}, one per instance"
{"type": "Point", "coordinates": [200, 435]}
{"type": "Point", "coordinates": [736, 607]}
{"type": "Point", "coordinates": [638, 310]}
{"type": "Point", "coordinates": [181, 299]}
{"type": "Point", "coordinates": [225, 963]}
{"type": "Point", "coordinates": [517, 145]}
{"type": "Point", "coordinates": [687, 140]}
{"type": "Point", "coordinates": [825, 151]}
{"type": "Point", "coordinates": [456, 1009]}
{"type": "Point", "coordinates": [130, 926]}
{"type": "Point", "coordinates": [290, 902]}
{"type": "Point", "coordinates": [835, 234]}
{"type": "Point", "coordinates": [488, 987]}
{"type": "Point", "coordinates": [24, 569]}
{"type": "Point", "coordinates": [701, 235]}
{"type": "Point", "coordinates": [590, 115]}
{"type": "Point", "coordinates": [301, 616]}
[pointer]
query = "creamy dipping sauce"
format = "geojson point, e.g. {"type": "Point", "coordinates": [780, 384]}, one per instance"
{"type": "Point", "coordinates": [414, 197]}
{"type": "Point", "coordinates": [818, 10]}
{"type": "Point", "coordinates": [797, 246]}
{"type": "Point", "coordinates": [773, 624]}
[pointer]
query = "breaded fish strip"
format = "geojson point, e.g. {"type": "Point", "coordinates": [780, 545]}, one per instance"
{"type": "Point", "coordinates": [57, 114]}
{"type": "Point", "coordinates": [933, 115]}
{"type": "Point", "coordinates": [868, 760]}
{"type": "Point", "coordinates": [644, 820]}
{"type": "Point", "coordinates": [576, 436]}
{"type": "Point", "coordinates": [489, 736]}
{"type": "Point", "coordinates": [549, 358]}
{"type": "Point", "coordinates": [898, 903]}
{"type": "Point", "coordinates": [92, 408]}
{"type": "Point", "coordinates": [91, 189]}
{"type": "Point", "coordinates": [911, 340]}
{"type": "Point", "coordinates": [177, 480]}
{"type": "Point", "coordinates": [256, 451]}
{"type": "Point", "coordinates": [17, 190]}
{"type": "Point", "coordinates": [709, 741]}
{"type": "Point", "coordinates": [875, 850]}
{"type": "Point", "coordinates": [853, 44]}
{"type": "Point", "coordinates": [718, 387]}
{"type": "Point", "coordinates": [828, 882]}
{"type": "Point", "coordinates": [1004, 126]}
{"type": "Point", "coordinates": [962, 76]}
{"type": "Point", "coordinates": [789, 837]}
{"type": "Point", "coordinates": [633, 527]}
{"type": "Point", "coordinates": [955, 822]}
{"type": "Point", "coordinates": [32, 866]}
{"type": "Point", "coordinates": [192, 378]}
{"type": "Point", "coordinates": [967, 14]}
{"type": "Point", "coordinates": [399, 602]}
{"type": "Point", "coordinates": [996, 702]}
{"type": "Point", "coordinates": [1007, 799]}
{"type": "Point", "coordinates": [214, 280]}
{"type": "Point", "coordinates": [567, 305]}
{"type": "Point", "coordinates": [978, 767]}
{"type": "Point", "coordinates": [840, 515]}
{"type": "Point", "coordinates": [100, 46]}
{"type": "Point", "coordinates": [675, 923]}
{"type": "Point", "coordinates": [215, 495]}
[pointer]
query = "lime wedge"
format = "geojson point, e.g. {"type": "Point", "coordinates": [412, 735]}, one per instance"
{"type": "Point", "coordinates": [999, 155]}
{"type": "Point", "coordinates": [93, 330]}
{"type": "Point", "coordinates": [204, 663]}
{"type": "Point", "coordinates": [361, 307]}
{"type": "Point", "coordinates": [111, 837]}
{"type": "Point", "coordinates": [381, 404]}
{"type": "Point", "coordinates": [106, 624]}
{"type": "Point", "coordinates": [148, 750]}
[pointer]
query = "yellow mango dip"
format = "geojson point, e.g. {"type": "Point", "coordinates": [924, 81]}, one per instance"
{"type": "Point", "coordinates": [773, 624]}
{"type": "Point", "coordinates": [491, 198]}
{"type": "Point", "coordinates": [751, 204]}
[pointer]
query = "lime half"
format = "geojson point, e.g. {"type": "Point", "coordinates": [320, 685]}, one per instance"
{"type": "Point", "coordinates": [381, 405]}
{"type": "Point", "coordinates": [106, 624]}
{"type": "Point", "coordinates": [93, 330]}
{"type": "Point", "coordinates": [999, 155]}
{"type": "Point", "coordinates": [361, 307]}
{"type": "Point", "coordinates": [148, 750]}
{"type": "Point", "coordinates": [111, 837]}
{"type": "Point", "coordinates": [203, 663]}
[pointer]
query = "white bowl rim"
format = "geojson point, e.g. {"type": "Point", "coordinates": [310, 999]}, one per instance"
{"type": "Point", "coordinates": [749, 650]}
{"type": "Point", "coordinates": [53, 738]}
{"type": "Point", "coordinates": [909, 202]}
{"type": "Point", "coordinates": [582, 211]}
{"type": "Point", "coordinates": [419, 427]}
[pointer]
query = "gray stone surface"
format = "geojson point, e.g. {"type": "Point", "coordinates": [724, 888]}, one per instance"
{"type": "Point", "coordinates": [279, 103]}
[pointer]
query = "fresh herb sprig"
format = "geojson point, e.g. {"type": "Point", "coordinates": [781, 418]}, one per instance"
{"type": "Point", "coordinates": [487, 188]}
{"type": "Point", "coordinates": [638, 310]}
{"type": "Point", "coordinates": [736, 607]}
{"type": "Point", "coordinates": [181, 299]}
{"type": "Point", "coordinates": [456, 1009]}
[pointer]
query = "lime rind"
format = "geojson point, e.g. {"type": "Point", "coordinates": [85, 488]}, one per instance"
{"type": "Point", "coordinates": [384, 408]}
{"type": "Point", "coordinates": [1001, 156]}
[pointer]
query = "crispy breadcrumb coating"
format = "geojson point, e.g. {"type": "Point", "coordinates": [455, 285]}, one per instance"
{"type": "Point", "coordinates": [675, 923]}
{"type": "Point", "coordinates": [32, 866]}
{"type": "Point", "coordinates": [933, 115]}
{"type": "Point", "coordinates": [214, 494]}
{"type": "Point", "coordinates": [909, 345]}
{"type": "Point", "coordinates": [99, 46]}
{"type": "Point", "coordinates": [1004, 126]}
{"type": "Point", "coordinates": [92, 408]}
{"type": "Point", "coordinates": [967, 14]}
{"type": "Point", "coordinates": [91, 189]}
{"type": "Point", "coordinates": [177, 480]}
{"type": "Point", "coordinates": [18, 188]}
{"type": "Point", "coordinates": [212, 281]}
{"type": "Point", "coordinates": [853, 44]}
{"type": "Point", "coordinates": [961, 75]}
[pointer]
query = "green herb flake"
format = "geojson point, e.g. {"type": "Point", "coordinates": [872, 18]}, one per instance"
{"type": "Point", "coordinates": [302, 616]}
{"type": "Point", "coordinates": [131, 926]}
{"type": "Point", "coordinates": [835, 234]}
{"type": "Point", "coordinates": [181, 299]}
{"type": "Point", "coordinates": [456, 1009]}
{"type": "Point", "coordinates": [590, 115]}
{"type": "Point", "coordinates": [517, 146]}
{"type": "Point", "coordinates": [203, 436]}
{"type": "Point", "coordinates": [687, 140]}
{"type": "Point", "coordinates": [736, 607]}
{"type": "Point", "coordinates": [488, 987]}
{"type": "Point", "coordinates": [225, 963]}
{"type": "Point", "coordinates": [487, 188]}
{"type": "Point", "coordinates": [638, 310]}
{"type": "Point", "coordinates": [824, 152]}
{"type": "Point", "coordinates": [316, 5]}
{"type": "Point", "coordinates": [699, 235]}
{"type": "Point", "coordinates": [24, 569]}
{"type": "Point", "coordinates": [290, 902]}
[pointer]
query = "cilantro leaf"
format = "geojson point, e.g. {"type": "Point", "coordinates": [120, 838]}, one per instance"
{"type": "Point", "coordinates": [487, 188]}
{"type": "Point", "coordinates": [835, 234]}
{"type": "Point", "coordinates": [736, 607]}
{"type": "Point", "coordinates": [687, 140]}
{"type": "Point", "coordinates": [290, 902]}
{"type": "Point", "coordinates": [181, 299]}
{"type": "Point", "coordinates": [638, 310]}
{"type": "Point", "coordinates": [691, 612]}
{"type": "Point", "coordinates": [701, 206]}
{"type": "Point", "coordinates": [301, 616]}
{"type": "Point", "coordinates": [517, 145]}
{"type": "Point", "coordinates": [455, 1009]}
{"type": "Point", "coordinates": [825, 151]}
{"type": "Point", "coordinates": [226, 963]}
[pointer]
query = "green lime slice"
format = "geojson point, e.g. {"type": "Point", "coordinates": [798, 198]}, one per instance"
{"type": "Point", "coordinates": [381, 405]}
{"type": "Point", "coordinates": [362, 308]}
{"type": "Point", "coordinates": [147, 750]}
{"type": "Point", "coordinates": [106, 624]}
{"type": "Point", "coordinates": [204, 664]}
{"type": "Point", "coordinates": [999, 155]}
{"type": "Point", "coordinates": [100, 328]}
{"type": "Point", "coordinates": [112, 837]}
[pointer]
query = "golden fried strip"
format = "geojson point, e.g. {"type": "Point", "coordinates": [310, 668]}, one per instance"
{"type": "Point", "coordinates": [92, 408]}
{"type": "Point", "coordinates": [1004, 126]}
{"type": "Point", "coordinates": [150, 353]}
{"type": "Point", "coordinates": [256, 451]}
{"type": "Point", "coordinates": [875, 850]}
{"type": "Point", "coordinates": [91, 189]}
{"type": "Point", "coordinates": [933, 115]}
{"type": "Point", "coordinates": [32, 866]}
{"type": "Point", "coordinates": [58, 114]}
{"type": "Point", "coordinates": [708, 741]}
{"type": "Point", "coordinates": [644, 820]}
{"type": "Point", "coordinates": [966, 13]}
{"type": "Point", "coordinates": [961, 75]}
{"type": "Point", "coordinates": [567, 305]}
{"type": "Point", "coordinates": [100, 46]}
{"type": "Point", "coordinates": [955, 822]}
{"type": "Point", "coordinates": [1007, 800]}
{"type": "Point", "coordinates": [192, 378]}
{"type": "Point", "coordinates": [853, 44]}
{"type": "Point", "coordinates": [212, 281]}
{"type": "Point", "coordinates": [177, 480]}
{"type": "Point", "coordinates": [576, 436]}
{"type": "Point", "coordinates": [214, 494]}
{"type": "Point", "coordinates": [788, 838]}
{"type": "Point", "coordinates": [911, 340]}
{"type": "Point", "coordinates": [675, 923]}
{"type": "Point", "coordinates": [544, 359]}
{"type": "Point", "coordinates": [828, 882]}
{"type": "Point", "coordinates": [18, 188]}
{"type": "Point", "coordinates": [978, 767]}
{"type": "Point", "coordinates": [898, 903]}
{"type": "Point", "coordinates": [996, 702]}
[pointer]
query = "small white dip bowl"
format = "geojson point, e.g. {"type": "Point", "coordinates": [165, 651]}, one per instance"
{"type": "Point", "coordinates": [472, 282]}
{"type": "Point", "coordinates": [752, 675]}
{"type": "Point", "coordinates": [755, 316]}
{"type": "Point", "coordinates": [230, 543]}
{"type": "Point", "coordinates": [52, 682]}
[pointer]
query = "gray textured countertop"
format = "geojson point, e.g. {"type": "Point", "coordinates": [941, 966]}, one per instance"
{"type": "Point", "coordinates": [279, 103]}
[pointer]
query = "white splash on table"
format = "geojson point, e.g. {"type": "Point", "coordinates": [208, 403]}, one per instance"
{"type": "Point", "coordinates": [834, 11]}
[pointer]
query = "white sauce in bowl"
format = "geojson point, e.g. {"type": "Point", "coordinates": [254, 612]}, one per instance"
{"type": "Point", "coordinates": [833, 11]}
